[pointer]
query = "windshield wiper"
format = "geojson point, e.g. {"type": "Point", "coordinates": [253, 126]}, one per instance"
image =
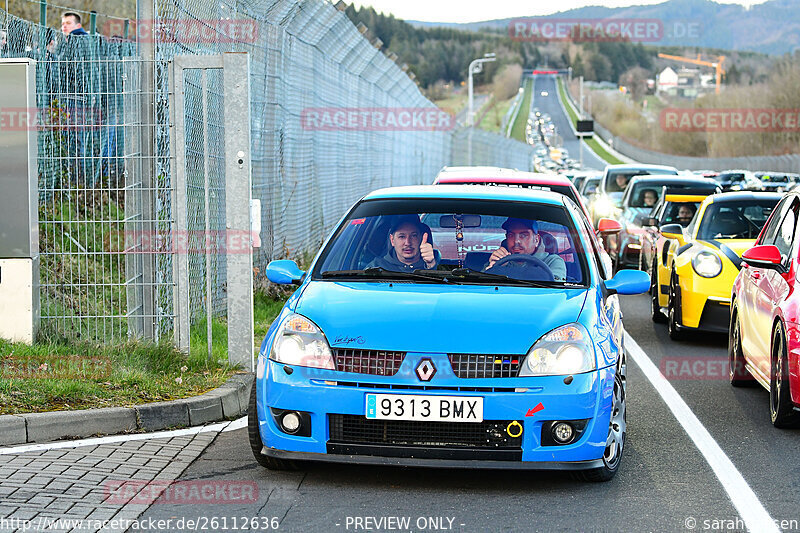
{"type": "Point", "coordinates": [461, 274]}
{"type": "Point", "coordinates": [378, 273]}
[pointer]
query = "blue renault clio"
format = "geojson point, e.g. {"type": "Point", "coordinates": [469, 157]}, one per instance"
{"type": "Point", "coordinates": [449, 327]}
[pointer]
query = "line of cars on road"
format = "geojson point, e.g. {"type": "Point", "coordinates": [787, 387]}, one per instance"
{"type": "Point", "coordinates": [476, 323]}
{"type": "Point", "coordinates": [721, 251]}
{"type": "Point", "coordinates": [451, 325]}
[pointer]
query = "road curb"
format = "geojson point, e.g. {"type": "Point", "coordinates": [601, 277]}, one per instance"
{"type": "Point", "coordinates": [226, 402]}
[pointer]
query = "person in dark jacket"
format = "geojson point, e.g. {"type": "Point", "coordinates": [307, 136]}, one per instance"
{"type": "Point", "coordinates": [411, 247]}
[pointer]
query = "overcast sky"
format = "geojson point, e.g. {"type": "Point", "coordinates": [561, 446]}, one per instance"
{"type": "Point", "coordinates": [477, 10]}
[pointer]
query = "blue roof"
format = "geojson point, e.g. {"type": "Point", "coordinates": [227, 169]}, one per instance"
{"type": "Point", "coordinates": [468, 192]}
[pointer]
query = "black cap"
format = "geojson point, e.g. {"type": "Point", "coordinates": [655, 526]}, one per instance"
{"type": "Point", "coordinates": [530, 224]}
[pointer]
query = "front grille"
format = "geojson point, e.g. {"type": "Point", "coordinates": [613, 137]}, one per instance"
{"type": "Point", "coordinates": [354, 429]}
{"type": "Point", "coordinates": [375, 362]}
{"type": "Point", "coordinates": [467, 365]}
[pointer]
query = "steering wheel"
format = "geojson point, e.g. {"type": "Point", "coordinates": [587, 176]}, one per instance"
{"type": "Point", "coordinates": [506, 263]}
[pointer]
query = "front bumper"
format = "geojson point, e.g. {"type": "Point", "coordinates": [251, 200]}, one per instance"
{"type": "Point", "coordinates": [705, 303]}
{"type": "Point", "coordinates": [431, 463]}
{"type": "Point", "coordinates": [323, 393]}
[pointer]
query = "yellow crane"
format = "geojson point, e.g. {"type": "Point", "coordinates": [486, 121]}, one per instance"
{"type": "Point", "coordinates": [717, 65]}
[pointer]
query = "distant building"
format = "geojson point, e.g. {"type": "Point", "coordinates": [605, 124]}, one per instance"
{"type": "Point", "coordinates": [685, 83]}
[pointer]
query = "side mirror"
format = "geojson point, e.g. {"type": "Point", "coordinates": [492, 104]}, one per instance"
{"type": "Point", "coordinates": [673, 231]}
{"type": "Point", "coordinates": [608, 226]}
{"type": "Point", "coordinates": [764, 256]}
{"type": "Point", "coordinates": [628, 282]}
{"type": "Point", "coordinates": [284, 272]}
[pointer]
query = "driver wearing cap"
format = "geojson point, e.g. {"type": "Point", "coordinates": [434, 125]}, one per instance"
{"type": "Point", "coordinates": [522, 237]}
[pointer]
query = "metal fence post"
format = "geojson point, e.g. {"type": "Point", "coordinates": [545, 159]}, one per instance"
{"type": "Point", "coordinates": [238, 185]}
{"type": "Point", "coordinates": [147, 53]}
{"type": "Point", "coordinates": [180, 259]}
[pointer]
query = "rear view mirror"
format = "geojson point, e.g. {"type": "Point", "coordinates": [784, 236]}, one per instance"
{"type": "Point", "coordinates": [673, 231]}
{"type": "Point", "coordinates": [469, 221]}
{"type": "Point", "coordinates": [764, 256]}
{"type": "Point", "coordinates": [649, 221]}
{"type": "Point", "coordinates": [608, 226]}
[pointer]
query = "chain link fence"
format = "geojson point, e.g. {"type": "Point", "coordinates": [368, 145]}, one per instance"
{"type": "Point", "coordinates": [106, 160]}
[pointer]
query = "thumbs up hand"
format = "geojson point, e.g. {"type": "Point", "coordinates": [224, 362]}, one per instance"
{"type": "Point", "coordinates": [426, 251]}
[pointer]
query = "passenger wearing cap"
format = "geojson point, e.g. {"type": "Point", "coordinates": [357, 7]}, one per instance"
{"type": "Point", "coordinates": [410, 248]}
{"type": "Point", "coordinates": [522, 237]}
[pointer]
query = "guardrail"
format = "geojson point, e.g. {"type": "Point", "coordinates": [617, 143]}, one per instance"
{"type": "Point", "coordinates": [511, 115]}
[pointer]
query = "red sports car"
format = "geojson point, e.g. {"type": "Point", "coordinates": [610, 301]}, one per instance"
{"type": "Point", "coordinates": [510, 178]}
{"type": "Point", "coordinates": [764, 338]}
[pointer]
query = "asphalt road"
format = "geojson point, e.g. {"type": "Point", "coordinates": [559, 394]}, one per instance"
{"type": "Point", "coordinates": [549, 104]}
{"type": "Point", "coordinates": [663, 482]}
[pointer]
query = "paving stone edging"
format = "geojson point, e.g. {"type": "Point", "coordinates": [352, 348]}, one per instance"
{"type": "Point", "coordinates": [226, 402]}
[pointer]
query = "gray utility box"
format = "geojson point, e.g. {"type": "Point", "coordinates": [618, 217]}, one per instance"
{"type": "Point", "coordinates": [19, 216]}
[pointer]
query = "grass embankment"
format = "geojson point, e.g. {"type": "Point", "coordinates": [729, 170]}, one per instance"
{"type": "Point", "coordinates": [518, 129]}
{"type": "Point", "coordinates": [80, 375]}
{"type": "Point", "coordinates": [493, 118]}
{"type": "Point", "coordinates": [592, 143]}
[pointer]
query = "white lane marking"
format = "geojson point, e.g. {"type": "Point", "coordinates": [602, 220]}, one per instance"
{"type": "Point", "coordinates": [236, 424]}
{"type": "Point", "coordinates": [755, 516]}
{"type": "Point", "coordinates": [221, 426]}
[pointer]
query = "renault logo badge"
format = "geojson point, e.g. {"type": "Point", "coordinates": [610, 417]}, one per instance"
{"type": "Point", "coordinates": [426, 370]}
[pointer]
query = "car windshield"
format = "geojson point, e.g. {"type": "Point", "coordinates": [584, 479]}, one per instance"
{"type": "Point", "coordinates": [679, 213]}
{"type": "Point", "coordinates": [735, 220]}
{"type": "Point", "coordinates": [646, 194]}
{"type": "Point", "coordinates": [617, 180]}
{"type": "Point", "coordinates": [456, 241]}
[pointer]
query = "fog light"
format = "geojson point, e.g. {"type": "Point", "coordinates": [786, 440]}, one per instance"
{"type": "Point", "coordinates": [562, 432]}
{"type": "Point", "coordinates": [291, 422]}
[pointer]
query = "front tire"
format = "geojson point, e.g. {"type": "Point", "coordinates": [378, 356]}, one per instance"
{"type": "Point", "coordinates": [256, 445]}
{"type": "Point", "coordinates": [781, 409]}
{"type": "Point", "coordinates": [655, 307]}
{"type": "Point", "coordinates": [615, 443]}
{"type": "Point", "coordinates": [673, 320]}
{"type": "Point", "coordinates": [738, 374]}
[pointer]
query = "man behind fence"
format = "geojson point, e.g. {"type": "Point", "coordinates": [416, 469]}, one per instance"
{"type": "Point", "coordinates": [75, 88]}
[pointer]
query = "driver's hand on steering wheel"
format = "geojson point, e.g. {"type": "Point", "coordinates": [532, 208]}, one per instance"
{"type": "Point", "coordinates": [497, 255]}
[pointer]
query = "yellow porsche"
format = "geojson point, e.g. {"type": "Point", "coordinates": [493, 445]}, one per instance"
{"type": "Point", "coordinates": [706, 258]}
{"type": "Point", "coordinates": [675, 206]}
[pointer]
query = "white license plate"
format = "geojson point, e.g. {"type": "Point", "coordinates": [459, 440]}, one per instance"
{"type": "Point", "coordinates": [430, 408]}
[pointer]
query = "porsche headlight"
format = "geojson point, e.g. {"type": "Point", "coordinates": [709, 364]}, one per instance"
{"type": "Point", "coordinates": [300, 342]}
{"type": "Point", "coordinates": [565, 350]}
{"type": "Point", "coordinates": [707, 264]}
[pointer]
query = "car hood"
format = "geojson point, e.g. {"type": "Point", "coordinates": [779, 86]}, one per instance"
{"type": "Point", "coordinates": [731, 248]}
{"type": "Point", "coordinates": [437, 318]}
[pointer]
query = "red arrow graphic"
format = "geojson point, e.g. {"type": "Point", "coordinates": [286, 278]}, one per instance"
{"type": "Point", "coordinates": [535, 410]}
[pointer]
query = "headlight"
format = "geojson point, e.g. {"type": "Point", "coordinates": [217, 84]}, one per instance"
{"type": "Point", "coordinates": [707, 264]}
{"type": "Point", "coordinates": [604, 206]}
{"type": "Point", "coordinates": [300, 342]}
{"type": "Point", "coordinates": [736, 187]}
{"type": "Point", "coordinates": [565, 350]}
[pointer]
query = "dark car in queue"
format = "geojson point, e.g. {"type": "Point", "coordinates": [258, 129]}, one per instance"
{"type": "Point", "coordinates": [777, 181]}
{"type": "Point", "coordinates": [641, 197]}
{"type": "Point", "coordinates": [614, 182]}
{"type": "Point", "coordinates": [739, 180]}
